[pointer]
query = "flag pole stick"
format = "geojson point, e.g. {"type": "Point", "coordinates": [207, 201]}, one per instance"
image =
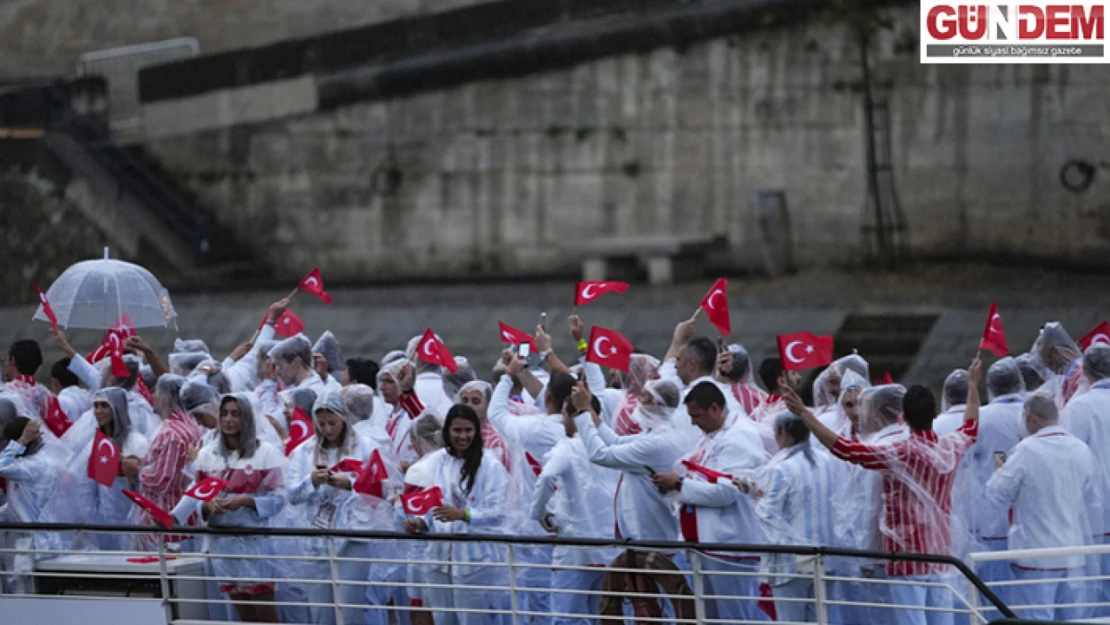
{"type": "Point", "coordinates": [696, 313]}
{"type": "Point", "coordinates": [290, 296]}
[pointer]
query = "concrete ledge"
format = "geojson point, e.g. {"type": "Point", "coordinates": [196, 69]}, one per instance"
{"type": "Point", "coordinates": [228, 107]}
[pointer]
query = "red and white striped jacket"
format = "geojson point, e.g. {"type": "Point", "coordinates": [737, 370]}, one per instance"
{"type": "Point", "coordinates": [918, 474]}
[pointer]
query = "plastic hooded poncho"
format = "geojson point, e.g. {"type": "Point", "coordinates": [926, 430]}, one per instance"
{"type": "Point", "coordinates": [254, 469]}
{"type": "Point", "coordinates": [326, 507]}
{"type": "Point", "coordinates": [286, 352]}
{"type": "Point", "coordinates": [1085, 418]}
{"type": "Point", "coordinates": [743, 388]}
{"type": "Point", "coordinates": [328, 347]}
{"type": "Point", "coordinates": [796, 506]}
{"type": "Point", "coordinates": [36, 493]}
{"type": "Point", "coordinates": [641, 511]}
{"type": "Point", "coordinates": [857, 492]}
{"type": "Point", "coordinates": [398, 422]}
{"type": "Point", "coordinates": [103, 505]}
{"type": "Point", "coordinates": [1060, 363]}
{"type": "Point", "coordinates": [919, 472]}
{"type": "Point", "coordinates": [641, 368]}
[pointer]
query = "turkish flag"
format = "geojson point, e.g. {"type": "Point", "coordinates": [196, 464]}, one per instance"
{"type": "Point", "coordinates": [803, 350]}
{"type": "Point", "coordinates": [300, 430]}
{"type": "Point", "coordinates": [46, 309]}
{"type": "Point", "coordinates": [349, 465]}
{"type": "Point", "coordinates": [115, 352]}
{"type": "Point", "coordinates": [422, 502]}
{"type": "Point", "coordinates": [104, 460]}
{"type": "Point", "coordinates": [54, 417]}
{"type": "Point", "coordinates": [715, 305]}
{"type": "Point", "coordinates": [586, 292]}
{"type": "Point", "coordinates": [1101, 334]}
{"type": "Point", "coordinates": [537, 468]}
{"type": "Point", "coordinates": [710, 474]}
{"type": "Point", "coordinates": [164, 518]}
{"type": "Point", "coordinates": [207, 489]}
{"type": "Point", "coordinates": [994, 337]}
{"type": "Point", "coordinates": [124, 327]}
{"type": "Point", "coordinates": [431, 349]}
{"type": "Point", "coordinates": [313, 283]}
{"type": "Point", "coordinates": [886, 379]}
{"type": "Point", "coordinates": [509, 334]}
{"type": "Point", "coordinates": [288, 324]}
{"type": "Point", "coordinates": [371, 479]}
{"type": "Point", "coordinates": [609, 349]}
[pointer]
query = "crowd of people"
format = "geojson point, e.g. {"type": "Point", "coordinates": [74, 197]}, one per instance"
{"type": "Point", "coordinates": [684, 448]}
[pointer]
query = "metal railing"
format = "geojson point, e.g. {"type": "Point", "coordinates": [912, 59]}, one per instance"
{"type": "Point", "coordinates": [1078, 593]}
{"type": "Point", "coordinates": [342, 576]}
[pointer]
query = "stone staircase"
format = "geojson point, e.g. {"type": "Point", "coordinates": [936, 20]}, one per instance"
{"type": "Point", "coordinates": [889, 341]}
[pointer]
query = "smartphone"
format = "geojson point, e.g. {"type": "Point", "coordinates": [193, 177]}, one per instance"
{"type": "Point", "coordinates": [525, 350]}
{"type": "Point", "coordinates": [543, 321]}
{"type": "Point", "coordinates": [999, 459]}
{"type": "Point", "coordinates": [721, 346]}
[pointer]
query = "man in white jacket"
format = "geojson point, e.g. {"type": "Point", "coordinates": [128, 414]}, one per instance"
{"type": "Point", "coordinates": [712, 509]}
{"type": "Point", "coordinates": [1087, 417]}
{"type": "Point", "coordinates": [1051, 481]}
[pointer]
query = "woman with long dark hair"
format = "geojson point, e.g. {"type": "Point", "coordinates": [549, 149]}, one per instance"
{"type": "Point", "coordinates": [255, 493]}
{"type": "Point", "coordinates": [474, 484]}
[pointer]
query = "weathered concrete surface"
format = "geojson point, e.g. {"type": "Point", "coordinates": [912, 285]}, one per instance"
{"type": "Point", "coordinates": [40, 37]}
{"type": "Point", "coordinates": [497, 176]}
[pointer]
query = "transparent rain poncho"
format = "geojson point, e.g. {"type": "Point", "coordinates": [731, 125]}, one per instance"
{"type": "Point", "coordinates": [1004, 378]}
{"type": "Point", "coordinates": [1060, 363]}
{"type": "Point", "coordinates": [254, 469]}
{"type": "Point", "coordinates": [199, 398]}
{"type": "Point", "coordinates": [291, 348]}
{"type": "Point", "coordinates": [454, 382]}
{"type": "Point", "coordinates": [167, 395]}
{"type": "Point", "coordinates": [851, 385]}
{"type": "Point", "coordinates": [1030, 372]}
{"type": "Point", "coordinates": [954, 391]}
{"type": "Point", "coordinates": [190, 345]}
{"type": "Point", "coordinates": [641, 368]}
{"type": "Point", "coordinates": [328, 347]}
{"type": "Point", "coordinates": [40, 490]}
{"type": "Point", "coordinates": [919, 471]}
{"type": "Point", "coordinates": [183, 363]}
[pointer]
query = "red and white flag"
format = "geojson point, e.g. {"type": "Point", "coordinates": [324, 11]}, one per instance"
{"type": "Point", "coordinates": [586, 292]}
{"type": "Point", "coordinates": [124, 327]}
{"type": "Point", "coordinates": [288, 324]}
{"type": "Point", "coordinates": [431, 349]}
{"type": "Point", "coordinates": [300, 430]}
{"type": "Point", "coordinates": [994, 337]}
{"type": "Point", "coordinates": [422, 502]}
{"type": "Point", "coordinates": [46, 309]}
{"type": "Point", "coordinates": [609, 349]}
{"type": "Point", "coordinates": [165, 519]}
{"type": "Point", "coordinates": [313, 283]}
{"type": "Point", "coordinates": [803, 350]}
{"type": "Point", "coordinates": [509, 334]}
{"type": "Point", "coordinates": [207, 489]}
{"type": "Point", "coordinates": [715, 305]}
{"type": "Point", "coordinates": [348, 465]}
{"type": "Point", "coordinates": [1101, 334]}
{"type": "Point", "coordinates": [372, 477]}
{"type": "Point", "coordinates": [709, 474]}
{"type": "Point", "coordinates": [104, 460]}
{"type": "Point", "coordinates": [54, 417]}
{"type": "Point", "coordinates": [115, 352]}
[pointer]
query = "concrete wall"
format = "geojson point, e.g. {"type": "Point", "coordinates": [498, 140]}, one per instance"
{"type": "Point", "coordinates": [47, 36]}
{"type": "Point", "coordinates": [501, 175]}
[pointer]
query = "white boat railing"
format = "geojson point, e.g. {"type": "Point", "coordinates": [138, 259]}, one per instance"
{"type": "Point", "coordinates": [413, 578]}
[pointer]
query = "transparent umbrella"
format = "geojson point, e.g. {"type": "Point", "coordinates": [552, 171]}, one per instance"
{"type": "Point", "coordinates": [95, 294]}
